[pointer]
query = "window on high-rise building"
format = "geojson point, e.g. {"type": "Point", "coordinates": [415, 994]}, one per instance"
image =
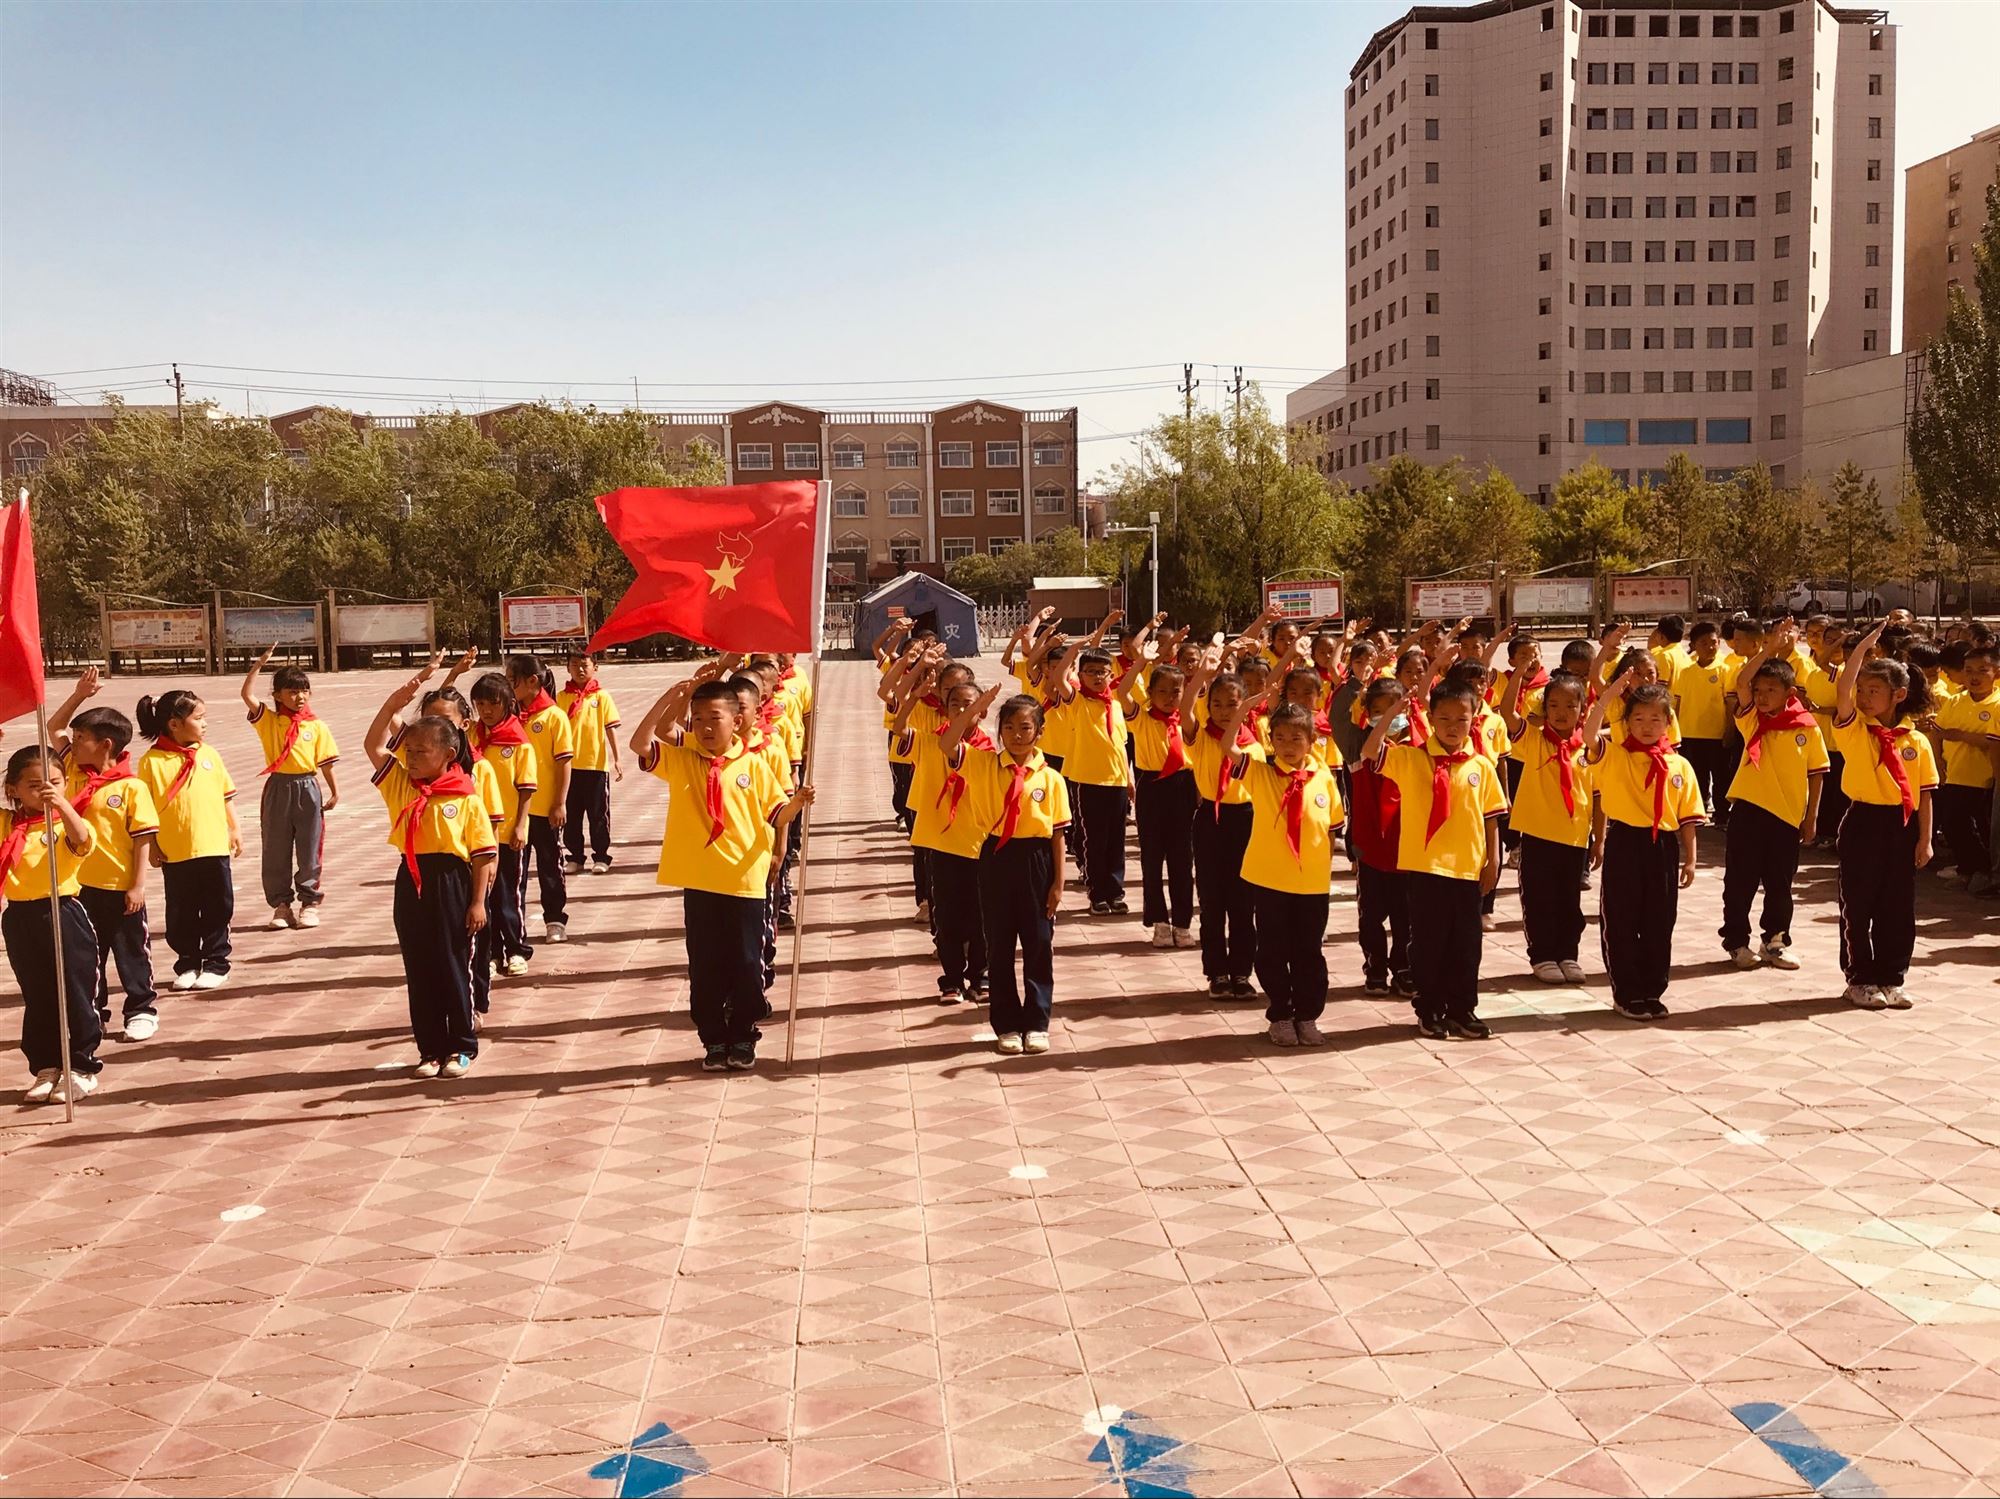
{"type": "Point", "coordinates": [1868, 340]}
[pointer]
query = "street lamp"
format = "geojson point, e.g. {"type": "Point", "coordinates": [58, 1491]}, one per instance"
{"type": "Point", "coordinates": [1150, 530]}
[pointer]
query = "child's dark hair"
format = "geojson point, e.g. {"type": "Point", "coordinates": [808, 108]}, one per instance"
{"type": "Point", "coordinates": [744, 682]}
{"type": "Point", "coordinates": [1093, 657]}
{"type": "Point", "coordinates": [155, 713]}
{"type": "Point", "coordinates": [1565, 681]}
{"type": "Point", "coordinates": [450, 696]}
{"type": "Point", "coordinates": [525, 668]}
{"type": "Point", "coordinates": [1299, 676]}
{"type": "Point", "coordinates": [582, 653]}
{"type": "Point", "coordinates": [1518, 645]}
{"type": "Point", "coordinates": [107, 724]}
{"type": "Point", "coordinates": [1917, 700]}
{"type": "Point", "coordinates": [1253, 663]}
{"type": "Point", "coordinates": [1777, 670]}
{"type": "Point", "coordinates": [714, 692]}
{"type": "Point", "coordinates": [1166, 673]}
{"type": "Point", "coordinates": [1738, 622]}
{"type": "Point", "coordinates": [1673, 629]}
{"type": "Point", "coordinates": [1291, 716]}
{"type": "Point", "coordinates": [1951, 656]}
{"type": "Point", "coordinates": [1227, 679]}
{"type": "Point", "coordinates": [291, 679]}
{"type": "Point", "coordinates": [952, 674]}
{"type": "Point", "coordinates": [1414, 656]}
{"type": "Point", "coordinates": [1630, 657]}
{"type": "Point", "coordinates": [22, 758]}
{"type": "Point", "coordinates": [1923, 656]}
{"type": "Point", "coordinates": [1468, 674]}
{"type": "Point", "coordinates": [1580, 651]}
{"type": "Point", "coordinates": [1702, 630]}
{"type": "Point", "coordinates": [1649, 695]}
{"type": "Point", "coordinates": [1454, 690]}
{"type": "Point", "coordinates": [1381, 690]}
{"type": "Point", "coordinates": [1018, 704]}
{"type": "Point", "coordinates": [493, 687]}
{"type": "Point", "coordinates": [1983, 649]}
{"type": "Point", "coordinates": [445, 734]}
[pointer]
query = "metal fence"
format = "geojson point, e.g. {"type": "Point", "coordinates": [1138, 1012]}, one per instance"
{"type": "Point", "coordinates": [998, 622]}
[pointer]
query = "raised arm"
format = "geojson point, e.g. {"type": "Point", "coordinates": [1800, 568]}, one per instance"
{"type": "Point", "coordinates": [87, 686]}
{"type": "Point", "coordinates": [966, 720]}
{"type": "Point", "coordinates": [462, 665]}
{"type": "Point", "coordinates": [1850, 673]}
{"type": "Point", "coordinates": [248, 691]}
{"type": "Point", "coordinates": [1607, 652]}
{"type": "Point", "coordinates": [1510, 700]}
{"type": "Point", "coordinates": [1593, 721]}
{"type": "Point", "coordinates": [1096, 636]}
{"type": "Point", "coordinates": [1196, 683]}
{"type": "Point", "coordinates": [384, 722]}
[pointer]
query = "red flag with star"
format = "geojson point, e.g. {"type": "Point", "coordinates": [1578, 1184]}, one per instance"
{"type": "Point", "coordinates": [20, 615]}
{"type": "Point", "coordinates": [737, 567]}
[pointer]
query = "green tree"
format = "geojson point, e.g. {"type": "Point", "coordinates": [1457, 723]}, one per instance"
{"type": "Point", "coordinates": [1853, 539]}
{"type": "Point", "coordinates": [1594, 519]}
{"type": "Point", "coordinates": [1955, 435]}
{"type": "Point", "coordinates": [1684, 516]}
{"type": "Point", "coordinates": [1770, 539]}
{"type": "Point", "coordinates": [1419, 521]}
{"type": "Point", "coordinates": [1007, 577]}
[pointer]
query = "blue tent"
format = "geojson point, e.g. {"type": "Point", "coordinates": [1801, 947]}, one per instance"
{"type": "Point", "coordinates": [933, 605]}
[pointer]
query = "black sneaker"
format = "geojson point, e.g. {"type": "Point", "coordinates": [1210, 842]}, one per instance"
{"type": "Point", "coordinates": [1375, 987]}
{"type": "Point", "coordinates": [1637, 1009]}
{"type": "Point", "coordinates": [981, 990]}
{"type": "Point", "coordinates": [785, 921]}
{"type": "Point", "coordinates": [1119, 908]}
{"type": "Point", "coordinates": [1404, 985]}
{"type": "Point", "coordinates": [1242, 989]}
{"type": "Point", "coordinates": [715, 1059]}
{"type": "Point", "coordinates": [742, 1056]}
{"type": "Point", "coordinates": [1433, 1028]}
{"type": "Point", "coordinates": [950, 997]}
{"type": "Point", "coordinates": [1655, 1010]}
{"type": "Point", "coordinates": [1221, 989]}
{"type": "Point", "coordinates": [1471, 1028]}
{"type": "Point", "coordinates": [1100, 908]}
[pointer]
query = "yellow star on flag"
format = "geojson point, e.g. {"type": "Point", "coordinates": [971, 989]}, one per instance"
{"type": "Point", "coordinates": [722, 577]}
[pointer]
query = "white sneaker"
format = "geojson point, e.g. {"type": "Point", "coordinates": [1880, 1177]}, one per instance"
{"type": "Point", "coordinates": [1184, 937]}
{"type": "Point", "coordinates": [1894, 998]}
{"type": "Point", "coordinates": [1283, 1033]}
{"type": "Point", "coordinates": [516, 966]}
{"type": "Point", "coordinates": [1743, 957]}
{"type": "Point", "coordinates": [1308, 1033]}
{"type": "Point", "coordinates": [1514, 858]}
{"type": "Point", "coordinates": [1486, 922]}
{"type": "Point", "coordinates": [1865, 997]}
{"type": "Point", "coordinates": [283, 918]}
{"type": "Point", "coordinates": [209, 979]}
{"type": "Point", "coordinates": [44, 1085]}
{"type": "Point", "coordinates": [185, 981]}
{"type": "Point", "coordinates": [1034, 1042]}
{"type": "Point", "coordinates": [425, 1069]}
{"type": "Point", "coordinates": [82, 1085]}
{"type": "Point", "coordinates": [574, 866]}
{"type": "Point", "coordinates": [555, 931]}
{"type": "Point", "coordinates": [1775, 956]}
{"type": "Point", "coordinates": [1549, 973]}
{"type": "Point", "coordinates": [924, 912]}
{"type": "Point", "coordinates": [1163, 934]}
{"type": "Point", "coordinates": [600, 866]}
{"type": "Point", "coordinates": [141, 1027]}
{"type": "Point", "coordinates": [308, 916]}
{"type": "Point", "coordinates": [457, 1066]}
{"type": "Point", "coordinates": [1008, 1045]}
{"type": "Point", "coordinates": [1572, 971]}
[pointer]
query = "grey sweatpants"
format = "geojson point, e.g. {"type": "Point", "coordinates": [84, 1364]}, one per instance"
{"type": "Point", "coordinates": [294, 831]}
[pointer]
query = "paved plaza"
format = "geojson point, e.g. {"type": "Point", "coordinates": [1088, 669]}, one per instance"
{"type": "Point", "coordinates": [1753, 1250]}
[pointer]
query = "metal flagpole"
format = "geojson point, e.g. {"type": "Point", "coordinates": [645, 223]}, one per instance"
{"type": "Point", "coordinates": [53, 853]}
{"type": "Point", "coordinates": [822, 530]}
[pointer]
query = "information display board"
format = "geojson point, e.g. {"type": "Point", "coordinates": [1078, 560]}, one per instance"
{"type": "Point", "coordinates": [1646, 596]}
{"type": "Point", "coordinates": [1304, 598]}
{"type": "Point", "coordinates": [384, 624]}
{"type": "Point", "coordinates": [1448, 599]}
{"type": "Point", "coordinates": [1552, 598]}
{"type": "Point", "coordinates": [543, 616]}
{"type": "Point", "coordinates": [261, 625]}
{"type": "Point", "coordinates": [156, 629]}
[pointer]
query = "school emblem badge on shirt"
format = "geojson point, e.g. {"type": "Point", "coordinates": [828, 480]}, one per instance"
{"type": "Point", "coordinates": [450, 809]}
{"type": "Point", "coordinates": [506, 751]}
{"type": "Point", "coordinates": [743, 779]}
{"type": "Point", "coordinates": [1320, 800]}
{"type": "Point", "coordinates": [535, 728]}
{"type": "Point", "coordinates": [115, 800]}
{"type": "Point", "coordinates": [1909, 752]}
{"type": "Point", "coordinates": [1678, 782]}
{"type": "Point", "coordinates": [1799, 740]}
{"type": "Point", "coordinates": [1038, 794]}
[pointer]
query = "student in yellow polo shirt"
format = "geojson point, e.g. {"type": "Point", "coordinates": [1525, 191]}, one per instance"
{"type": "Point", "coordinates": [102, 785]}
{"type": "Point", "coordinates": [198, 835]}
{"type": "Point", "coordinates": [1966, 724]}
{"type": "Point", "coordinates": [32, 789]}
{"type": "Point", "coordinates": [725, 811]}
{"type": "Point", "coordinates": [1450, 800]}
{"type": "Point", "coordinates": [1646, 815]}
{"type": "Point", "coordinates": [500, 803]}
{"type": "Point", "coordinates": [751, 720]}
{"type": "Point", "coordinates": [1094, 764]}
{"type": "Point", "coordinates": [553, 745]}
{"type": "Point", "coordinates": [1550, 814]}
{"type": "Point", "coordinates": [445, 846]}
{"type": "Point", "coordinates": [1889, 774]}
{"type": "Point", "coordinates": [291, 815]}
{"type": "Point", "coordinates": [1222, 822]}
{"type": "Point", "coordinates": [1164, 798]}
{"type": "Point", "coordinates": [951, 829]}
{"type": "Point", "coordinates": [593, 766]}
{"type": "Point", "coordinates": [1700, 705]}
{"type": "Point", "coordinates": [911, 714]}
{"type": "Point", "coordinates": [500, 740]}
{"type": "Point", "coordinates": [1023, 803]}
{"type": "Point", "coordinates": [1775, 799]}
{"type": "Point", "coordinates": [1294, 808]}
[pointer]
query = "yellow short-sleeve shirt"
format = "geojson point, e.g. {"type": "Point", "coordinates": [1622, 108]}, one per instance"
{"type": "Point", "coordinates": [1539, 810]}
{"type": "Point", "coordinates": [1269, 860]}
{"type": "Point", "coordinates": [1044, 804]}
{"type": "Point", "coordinates": [552, 744]}
{"type": "Point", "coordinates": [1780, 779]}
{"type": "Point", "coordinates": [1698, 700]}
{"type": "Point", "coordinates": [1149, 742]}
{"type": "Point", "coordinates": [28, 876]}
{"type": "Point", "coordinates": [513, 768]}
{"type": "Point", "coordinates": [589, 723]}
{"type": "Point", "coordinates": [1095, 735]}
{"type": "Point", "coordinates": [1473, 795]}
{"type": "Point", "coordinates": [1218, 775]}
{"type": "Point", "coordinates": [1969, 764]}
{"type": "Point", "coordinates": [1489, 735]}
{"type": "Point", "coordinates": [942, 823]}
{"type": "Point", "coordinates": [738, 861]}
{"type": "Point", "coordinates": [312, 748]}
{"type": "Point", "coordinates": [194, 822]}
{"type": "Point", "coordinates": [1619, 779]}
{"type": "Point", "coordinates": [455, 823]}
{"type": "Point", "coordinates": [1862, 775]}
{"type": "Point", "coordinates": [119, 812]}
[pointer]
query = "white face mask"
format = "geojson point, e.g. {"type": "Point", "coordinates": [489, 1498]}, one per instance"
{"type": "Point", "coordinates": [1400, 724]}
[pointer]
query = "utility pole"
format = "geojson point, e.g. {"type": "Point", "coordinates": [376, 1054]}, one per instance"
{"type": "Point", "coordinates": [180, 392]}
{"type": "Point", "coordinates": [1236, 390]}
{"type": "Point", "coordinates": [1187, 388]}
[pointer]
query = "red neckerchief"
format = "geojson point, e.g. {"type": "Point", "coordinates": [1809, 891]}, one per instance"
{"type": "Point", "coordinates": [1441, 791]}
{"type": "Point", "coordinates": [1539, 680]}
{"type": "Point", "coordinates": [118, 770]}
{"type": "Point", "coordinates": [582, 694]}
{"type": "Point", "coordinates": [788, 673]}
{"type": "Point", "coordinates": [1885, 749]}
{"type": "Point", "coordinates": [1562, 749]}
{"type": "Point", "coordinates": [1010, 813]}
{"type": "Point", "coordinates": [1175, 760]}
{"type": "Point", "coordinates": [1420, 728]}
{"type": "Point", "coordinates": [1656, 775]}
{"type": "Point", "coordinates": [507, 731]}
{"type": "Point", "coordinates": [1322, 725]}
{"type": "Point", "coordinates": [1244, 739]}
{"type": "Point", "coordinates": [12, 844]}
{"type": "Point", "coordinates": [1104, 697]}
{"type": "Point", "coordinates": [451, 781]}
{"type": "Point", "coordinates": [1794, 715]}
{"type": "Point", "coordinates": [186, 753]}
{"type": "Point", "coordinates": [1292, 805]}
{"type": "Point", "coordinates": [954, 780]}
{"type": "Point", "coordinates": [767, 713]}
{"type": "Point", "coordinates": [541, 702]}
{"type": "Point", "coordinates": [933, 702]}
{"type": "Point", "coordinates": [305, 715]}
{"type": "Point", "coordinates": [1478, 735]}
{"type": "Point", "coordinates": [1256, 719]}
{"type": "Point", "coordinates": [712, 798]}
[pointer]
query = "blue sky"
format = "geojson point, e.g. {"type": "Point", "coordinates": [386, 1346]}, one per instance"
{"type": "Point", "coordinates": [711, 196]}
